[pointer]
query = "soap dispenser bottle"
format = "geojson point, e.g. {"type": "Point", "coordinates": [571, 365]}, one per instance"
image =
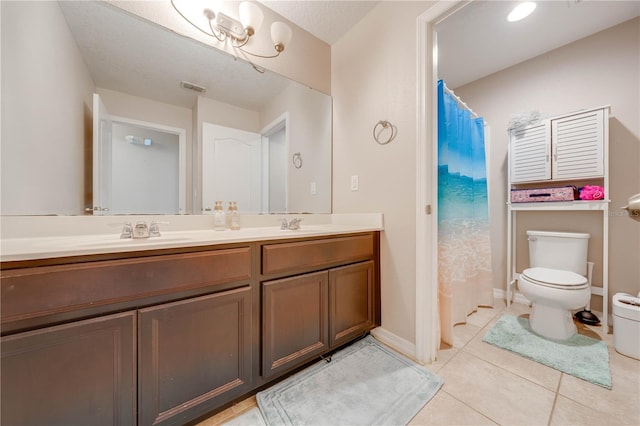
{"type": "Point", "coordinates": [234, 216]}
{"type": "Point", "coordinates": [219, 218]}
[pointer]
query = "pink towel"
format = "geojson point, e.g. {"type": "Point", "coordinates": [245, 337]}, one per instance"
{"type": "Point", "coordinates": [591, 192]}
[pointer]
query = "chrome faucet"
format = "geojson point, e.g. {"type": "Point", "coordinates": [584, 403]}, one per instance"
{"type": "Point", "coordinates": [141, 230]}
{"type": "Point", "coordinates": [292, 225]}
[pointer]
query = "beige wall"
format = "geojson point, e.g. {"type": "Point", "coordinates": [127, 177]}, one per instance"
{"type": "Point", "coordinates": [46, 113]}
{"type": "Point", "coordinates": [602, 69]}
{"type": "Point", "coordinates": [373, 74]}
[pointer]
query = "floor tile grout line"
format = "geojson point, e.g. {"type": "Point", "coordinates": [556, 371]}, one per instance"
{"type": "Point", "coordinates": [555, 399]}
{"type": "Point", "coordinates": [469, 406]}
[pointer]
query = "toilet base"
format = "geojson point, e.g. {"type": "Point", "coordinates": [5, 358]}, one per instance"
{"type": "Point", "coordinates": [552, 322]}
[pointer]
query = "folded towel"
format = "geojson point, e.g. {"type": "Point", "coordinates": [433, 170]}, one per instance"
{"type": "Point", "coordinates": [591, 192]}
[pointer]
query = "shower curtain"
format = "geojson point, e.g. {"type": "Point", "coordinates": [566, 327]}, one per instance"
{"type": "Point", "coordinates": [464, 250]}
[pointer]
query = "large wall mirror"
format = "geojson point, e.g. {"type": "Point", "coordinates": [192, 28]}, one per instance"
{"type": "Point", "coordinates": [182, 112]}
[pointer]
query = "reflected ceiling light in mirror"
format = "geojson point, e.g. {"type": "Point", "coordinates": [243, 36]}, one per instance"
{"type": "Point", "coordinates": [521, 11]}
{"type": "Point", "coordinates": [206, 17]}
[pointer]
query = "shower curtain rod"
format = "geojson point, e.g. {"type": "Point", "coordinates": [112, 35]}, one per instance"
{"type": "Point", "coordinates": [460, 101]}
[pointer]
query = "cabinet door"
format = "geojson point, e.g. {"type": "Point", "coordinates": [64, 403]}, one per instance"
{"type": "Point", "coordinates": [295, 323]}
{"type": "Point", "coordinates": [351, 301]}
{"type": "Point", "coordinates": [529, 154]}
{"type": "Point", "coordinates": [194, 355]}
{"type": "Point", "coordinates": [82, 373]}
{"type": "Point", "coordinates": [578, 145]}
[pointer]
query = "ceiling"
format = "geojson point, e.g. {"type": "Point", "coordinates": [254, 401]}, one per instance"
{"type": "Point", "coordinates": [327, 20]}
{"type": "Point", "coordinates": [478, 33]}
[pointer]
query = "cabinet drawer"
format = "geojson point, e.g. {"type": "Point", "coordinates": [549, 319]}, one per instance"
{"type": "Point", "coordinates": [37, 292]}
{"type": "Point", "coordinates": [308, 255]}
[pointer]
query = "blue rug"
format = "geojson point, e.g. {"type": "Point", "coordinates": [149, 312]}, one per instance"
{"type": "Point", "coordinates": [366, 383]}
{"type": "Point", "coordinates": [580, 356]}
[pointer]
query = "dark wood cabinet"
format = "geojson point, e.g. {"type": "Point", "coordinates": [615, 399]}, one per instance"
{"type": "Point", "coordinates": [169, 336]}
{"type": "Point", "coordinates": [351, 302]}
{"type": "Point", "coordinates": [305, 315]}
{"type": "Point", "coordinates": [82, 373]}
{"type": "Point", "coordinates": [194, 355]}
{"type": "Point", "coordinates": [295, 321]}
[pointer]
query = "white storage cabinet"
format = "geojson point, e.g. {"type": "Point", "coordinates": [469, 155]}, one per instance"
{"type": "Point", "coordinates": [563, 150]}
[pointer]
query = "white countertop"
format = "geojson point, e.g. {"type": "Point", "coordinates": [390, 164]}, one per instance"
{"type": "Point", "coordinates": [29, 246]}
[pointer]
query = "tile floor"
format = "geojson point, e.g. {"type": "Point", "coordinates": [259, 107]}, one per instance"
{"type": "Point", "coordinates": [485, 385]}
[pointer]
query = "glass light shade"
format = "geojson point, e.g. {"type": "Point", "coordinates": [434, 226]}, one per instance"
{"type": "Point", "coordinates": [251, 15]}
{"type": "Point", "coordinates": [280, 34]}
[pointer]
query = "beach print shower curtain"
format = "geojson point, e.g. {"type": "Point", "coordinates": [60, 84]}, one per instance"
{"type": "Point", "coordinates": [464, 251]}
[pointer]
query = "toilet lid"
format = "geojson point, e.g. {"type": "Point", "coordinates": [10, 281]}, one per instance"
{"type": "Point", "coordinates": [554, 278]}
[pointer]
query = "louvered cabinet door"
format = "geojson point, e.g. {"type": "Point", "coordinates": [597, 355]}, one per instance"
{"type": "Point", "coordinates": [530, 154]}
{"type": "Point", "coordinates": [578, 142]}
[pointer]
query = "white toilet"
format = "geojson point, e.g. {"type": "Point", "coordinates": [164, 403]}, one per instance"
{"type": "Point", "coordinates": [555, 282]}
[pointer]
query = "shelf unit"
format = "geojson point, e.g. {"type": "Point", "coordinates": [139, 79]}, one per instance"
{"type": "Point", "coordinates": [545, 176]}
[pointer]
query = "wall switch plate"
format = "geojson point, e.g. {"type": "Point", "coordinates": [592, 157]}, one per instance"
{"type": "Point", "coordinates": [314, 188]}
{"type": "Point", "coordinates": [354, 183]}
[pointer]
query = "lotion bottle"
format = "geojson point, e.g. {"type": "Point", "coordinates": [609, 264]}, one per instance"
{"type": "Point", "coordinates": [234, 216]}
{"type": "Point", "coordinates": [219, 218]}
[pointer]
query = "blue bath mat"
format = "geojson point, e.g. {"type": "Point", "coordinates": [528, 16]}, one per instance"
{"type": "Point", "coordinates": [365, 384]}
{"type": "Point", "coordinates": [579, 356]}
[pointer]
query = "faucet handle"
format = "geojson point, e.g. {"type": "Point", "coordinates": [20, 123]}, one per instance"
{"type": "Point", "coordinates": [283, 223]}
{"type": "Point", "coordinates": [154, 228]}
{"type": "Point", "coordinates": [127, 230]}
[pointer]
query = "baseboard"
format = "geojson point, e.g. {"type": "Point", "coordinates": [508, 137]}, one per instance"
{"type": "Point", "coordinates": [388, 338]}
{"type": "Point", "coordinates": [517, 298]}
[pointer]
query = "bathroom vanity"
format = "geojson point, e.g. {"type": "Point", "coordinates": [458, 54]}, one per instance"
{"type": "Point", "coordinates": [167, 335]}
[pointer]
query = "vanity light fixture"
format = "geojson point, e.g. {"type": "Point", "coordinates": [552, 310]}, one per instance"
{"type": "Point", "coordinates": [521, 11]}
{"type": "Point", "coordinates": [206, 17]}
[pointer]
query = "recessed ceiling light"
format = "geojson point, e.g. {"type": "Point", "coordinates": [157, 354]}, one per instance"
{"type": "Point", "coordinates": [521, 11]}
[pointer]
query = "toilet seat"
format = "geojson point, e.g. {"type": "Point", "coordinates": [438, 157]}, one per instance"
{"type": "Point", "coordinates": [555, 278]}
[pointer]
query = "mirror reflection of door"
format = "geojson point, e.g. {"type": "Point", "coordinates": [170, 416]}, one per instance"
{"type": "Point", "coordinates": [102, 131]}
{"type": "Point", "coordinates": [275, 141]}
{"type": "Point", "coordinates": [231, 168]}
{"type": "Point", "coordinates": [145, 171]}
{"type": "Point", "coordinates": [138, 167]}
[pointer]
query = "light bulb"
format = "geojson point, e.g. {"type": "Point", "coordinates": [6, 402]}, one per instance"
{"type": "Point", "coordinates": [521, 11]}
{"type": "Point", "coordinates": [281, 35]}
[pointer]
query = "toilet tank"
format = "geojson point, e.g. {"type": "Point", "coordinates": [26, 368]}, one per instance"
{"type": "Point", "coordinates": [559, 250]}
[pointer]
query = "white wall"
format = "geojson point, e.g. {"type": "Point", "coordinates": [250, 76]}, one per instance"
{"type": "Point", "coordinates": [374, 78]}
{"type": "Point", "coordinates": [46, 109]}
{"type": "Point", "coordinates": [602, 69]}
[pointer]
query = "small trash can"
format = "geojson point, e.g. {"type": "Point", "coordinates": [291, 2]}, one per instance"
{"type": "Point", "coordinates": [626, 325]}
